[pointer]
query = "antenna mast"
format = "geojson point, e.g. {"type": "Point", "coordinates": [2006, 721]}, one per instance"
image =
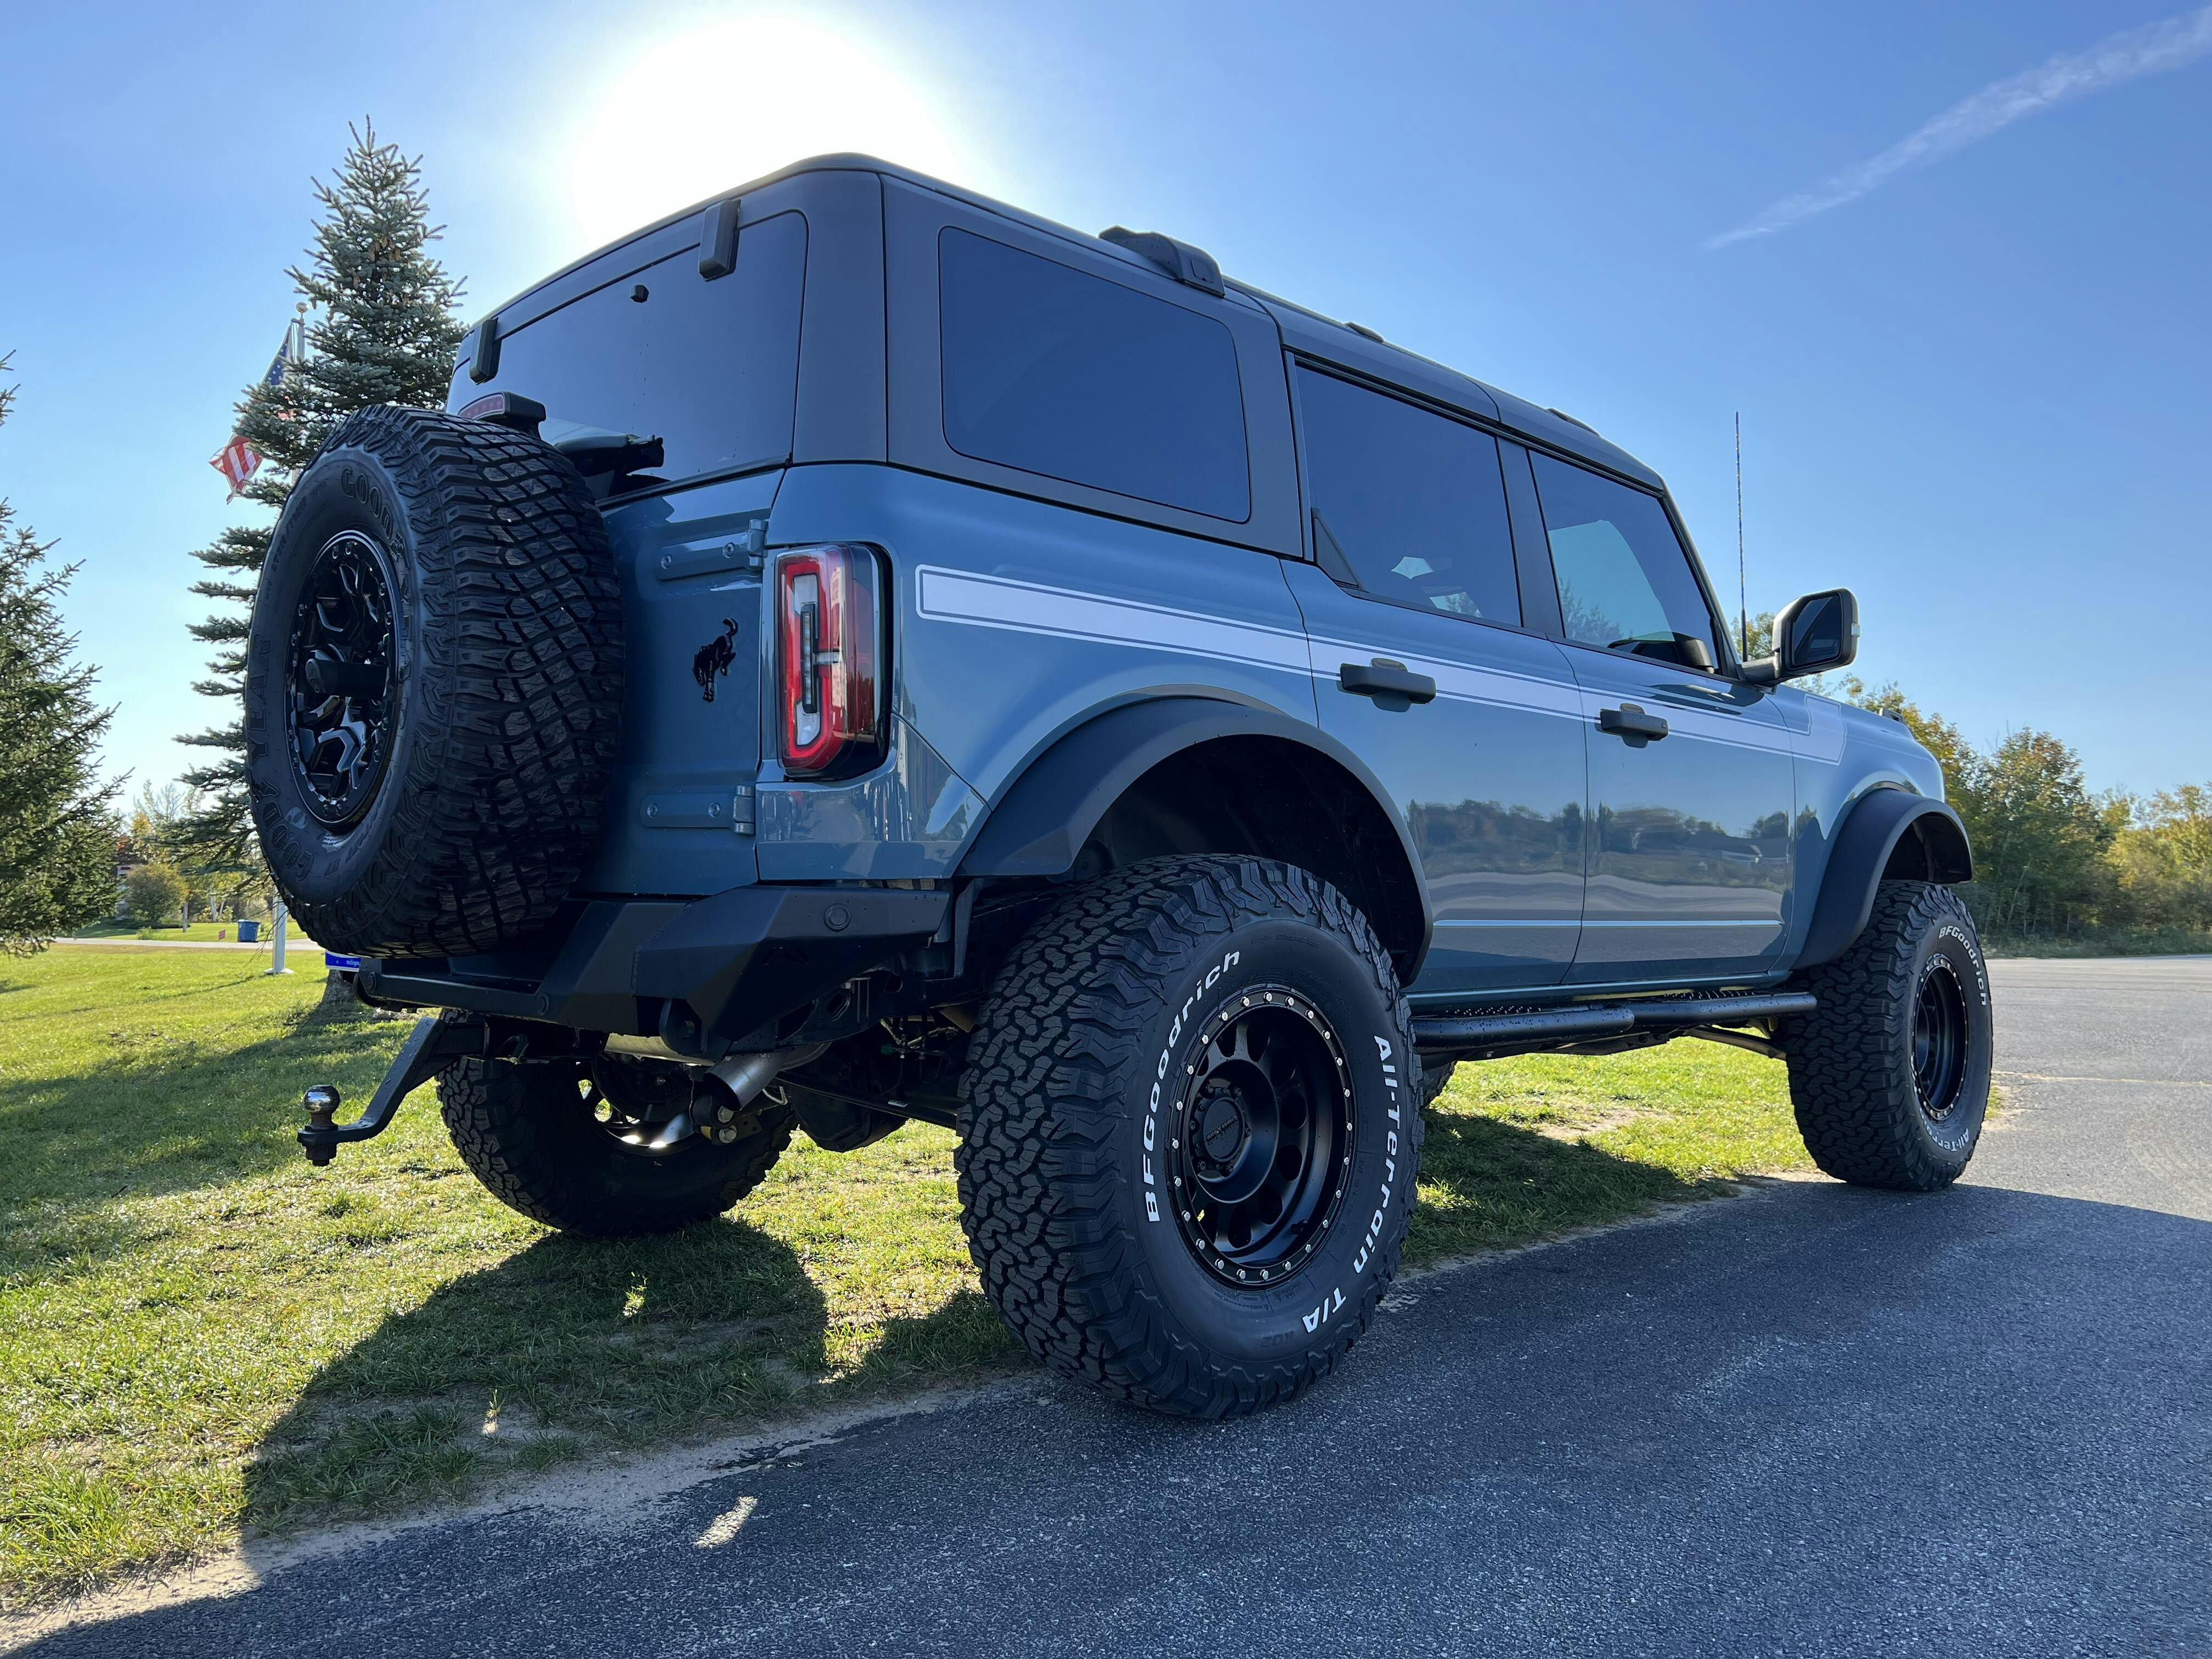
{"type": "Point", "coordinates": [1743, 608]}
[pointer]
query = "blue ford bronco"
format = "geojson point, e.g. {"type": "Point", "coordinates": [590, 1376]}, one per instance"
{"type": "Point", "coordinates": [856, 652]}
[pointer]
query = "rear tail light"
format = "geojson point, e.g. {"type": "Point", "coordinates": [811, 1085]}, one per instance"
{"type": "Point", "coordinates": [829, 607]}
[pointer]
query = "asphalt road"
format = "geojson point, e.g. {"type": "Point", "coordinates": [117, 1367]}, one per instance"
{"type": "Point", "coordinates": [1813, 1420]}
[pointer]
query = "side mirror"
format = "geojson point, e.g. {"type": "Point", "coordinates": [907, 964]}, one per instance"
{"type": "Point", "coordinates": [1812, 635]}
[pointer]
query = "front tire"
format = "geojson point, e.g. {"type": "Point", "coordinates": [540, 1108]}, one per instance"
{"type": "Point", "coordinates": [1890, 1075]}
{"type": "Point", "coordinates": [567, 1143]}
{"type": "Point", "coordinates": [1189, 1134]}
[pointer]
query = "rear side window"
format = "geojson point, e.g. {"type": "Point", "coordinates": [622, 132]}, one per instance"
{"type": "Point", "coordinates": [1069, 376]}
{"type": "Point", "coordinates": [709, 369]}
{"type": "Point", "coordinates": [1414, 502]}
{"type": "Point", "coordinates": [1625, 578]}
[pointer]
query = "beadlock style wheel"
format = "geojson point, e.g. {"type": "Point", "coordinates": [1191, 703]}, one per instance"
{"type": "Point", "coordinates": [1890, 1074]}
{"type": "Point", "coordinates": [1939, 1040]}
{"type": "Point", "coordinates": [1191, 1133]}
{"type": "Point", "coordinates": [1260, 1147]}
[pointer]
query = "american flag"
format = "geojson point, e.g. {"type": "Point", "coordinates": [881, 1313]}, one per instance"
{"type": "Point", "coordinates": [238, 460]}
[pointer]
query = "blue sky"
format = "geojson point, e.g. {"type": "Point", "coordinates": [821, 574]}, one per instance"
{"type": "Point", "coordinates": [1974, 388]}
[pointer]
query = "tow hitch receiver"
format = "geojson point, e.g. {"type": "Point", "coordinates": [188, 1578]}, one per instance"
{"type": "Point", "coordinates": [433, 1044]}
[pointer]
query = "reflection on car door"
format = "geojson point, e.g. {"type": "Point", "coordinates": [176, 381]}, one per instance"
{"type": "Point", "coordinates": [1692, 781]}
{"type": "Point", "coordinates": [1417, 571]}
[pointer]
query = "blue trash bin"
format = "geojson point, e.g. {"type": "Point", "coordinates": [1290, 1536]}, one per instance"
{"type": "Point", "coordinates": [249, 933]}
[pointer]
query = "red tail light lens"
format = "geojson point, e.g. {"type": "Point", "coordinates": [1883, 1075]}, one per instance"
{"type": "Point", "coordinates": [830, 637]}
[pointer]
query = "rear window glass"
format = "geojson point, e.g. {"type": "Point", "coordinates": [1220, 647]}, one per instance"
{"type": "Point", "coordinates": [1414, 503]}
{"type": "Point", "coordinates": [1078, 378]}
{"type": "Point", "coordinates": [709, 369]}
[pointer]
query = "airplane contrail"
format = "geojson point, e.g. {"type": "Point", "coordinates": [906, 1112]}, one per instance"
{"type": "Point", "coordinates": [2153, 48]}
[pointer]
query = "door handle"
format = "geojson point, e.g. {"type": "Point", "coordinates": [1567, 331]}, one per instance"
{"type": "Point", "coordinates": [1389, 683]}
{"type": "Point", "coordinates": [1630, 721]}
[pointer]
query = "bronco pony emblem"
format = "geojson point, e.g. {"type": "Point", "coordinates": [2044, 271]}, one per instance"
{"type": "Point", "coordinates": [713, 659]}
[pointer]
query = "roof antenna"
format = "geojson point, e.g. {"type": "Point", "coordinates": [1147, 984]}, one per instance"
{"type": "Point", "coordinates": [1742, 610]}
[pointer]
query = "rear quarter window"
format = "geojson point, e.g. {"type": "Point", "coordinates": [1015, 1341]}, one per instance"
{"type": "Point", "coordinates": [1056, 372]}
{"type": "Point", "coordinates": [711, 369]}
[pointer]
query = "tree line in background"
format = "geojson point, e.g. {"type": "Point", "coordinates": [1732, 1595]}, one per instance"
{"type": "Point", "coordinates": [2052, 860]}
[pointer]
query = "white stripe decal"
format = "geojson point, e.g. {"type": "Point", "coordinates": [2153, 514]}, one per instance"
{"type": "Point", "coordinates": [1748, 921]}
{"type": "Point", "coordinates": [980, 601]}
{"type": "Point", "coordinates": [959, 596]}
{"type": "Point", "coordinates": [1516, 921]}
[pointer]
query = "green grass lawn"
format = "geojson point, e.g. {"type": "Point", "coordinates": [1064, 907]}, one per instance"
{"type": "Point", "coordinates": [199, 1334]}
{"type": "Point", "coordinates": [203, 932]}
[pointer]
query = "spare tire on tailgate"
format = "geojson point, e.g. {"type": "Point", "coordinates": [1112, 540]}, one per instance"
{"type": "Point", "coordinates": [432, 686]}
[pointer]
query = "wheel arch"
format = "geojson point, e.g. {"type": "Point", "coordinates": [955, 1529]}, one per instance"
{"type": "Point", "coordinates": [1186, 774]}
{"type": "Point", "coordinates": [1889, 834]}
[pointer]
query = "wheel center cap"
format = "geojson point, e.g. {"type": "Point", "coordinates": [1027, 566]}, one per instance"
{"type": "Point", "coordinates": [1223, 1129]}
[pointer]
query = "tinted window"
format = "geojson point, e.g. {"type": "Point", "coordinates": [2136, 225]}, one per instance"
{"type": "Point", "coordinates": [709, 369]}
{"type": "Point", "coordinates": [1414, 502]}
{"type": "Point", "coordinates": [1624, 579]}
{"type": "Point", "coordinates": [1078, 378]}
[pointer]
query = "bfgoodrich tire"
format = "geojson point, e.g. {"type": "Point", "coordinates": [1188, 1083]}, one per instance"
{"type": "Point", "coordinates": [546, 1140]}
{"type": "Point", "coordinates": [433, 685]}
{"type": "Point", "coordinates": [1190, 1135]}
{"type": "Point", "coordinates": [1891, 1074]}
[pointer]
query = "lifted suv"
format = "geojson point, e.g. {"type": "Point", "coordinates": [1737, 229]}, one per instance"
{"type": "Point", "coordinates": [855, 652]}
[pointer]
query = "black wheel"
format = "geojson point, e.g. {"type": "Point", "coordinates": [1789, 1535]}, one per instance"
{"type": "Point", "coordinates": [1890, 1075]}
{"type": "Point", "coordinates": [1190, 1135]}
{"type": "Point", "coordinates": [432, 686]}
{"type": "Point", "coordinates": [603, 1148]}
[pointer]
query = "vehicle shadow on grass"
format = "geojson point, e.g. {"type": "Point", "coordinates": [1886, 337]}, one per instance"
{"type": "Point", "coordinates": [1487, 1185]}
{"type": "Point", "coordinates": [573, 1347]}
{"type": "Point", "coordinates": [154, 1117]}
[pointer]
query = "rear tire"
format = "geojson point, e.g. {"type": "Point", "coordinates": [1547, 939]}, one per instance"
{"type": "Point", "coordinates": [1229, 1027]}
{"type": "Point", "coordinates": [528, 1133]}
{"type": "Point", "coordinates": [1891, 1074]}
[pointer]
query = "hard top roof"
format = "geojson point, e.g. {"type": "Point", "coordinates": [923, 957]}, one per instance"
{"type": "Point", "coordinates": [1303, 329]}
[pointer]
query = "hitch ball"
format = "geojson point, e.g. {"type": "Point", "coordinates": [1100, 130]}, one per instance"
{"type": "Point", "coordinates": [321, 1101]}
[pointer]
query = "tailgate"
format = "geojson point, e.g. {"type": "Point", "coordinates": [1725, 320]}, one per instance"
{"type": "Point", "coordinates": [679, 807]}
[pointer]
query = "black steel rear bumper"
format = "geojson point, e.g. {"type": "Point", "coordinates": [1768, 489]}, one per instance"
{"type": "Point", "coordinates": [711, 975]}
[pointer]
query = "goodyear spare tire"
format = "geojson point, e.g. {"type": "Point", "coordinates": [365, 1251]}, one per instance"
{"type": "Point", "coordinates": [432, 686]}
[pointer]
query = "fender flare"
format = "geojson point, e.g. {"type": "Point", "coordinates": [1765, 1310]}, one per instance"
{"type": "Point", "coordinates": [1870, 834]}
{"type": "Point", "coordinates": [1040, 823]}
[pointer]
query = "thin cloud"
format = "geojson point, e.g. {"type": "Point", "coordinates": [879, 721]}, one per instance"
{"type": "Point", "coordinates": [2152, 49]}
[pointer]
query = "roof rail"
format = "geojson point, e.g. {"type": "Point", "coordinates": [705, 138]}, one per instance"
{"type": "Point", "coordinates": [1366, 333]}
{"type": "Point", "coordinates": [1193, 267]}
{"type": "Point", "coordinates": [1571, 421]}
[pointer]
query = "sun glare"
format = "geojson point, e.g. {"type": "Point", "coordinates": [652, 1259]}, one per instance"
{"type": "Point", "coordinates": [711, 105]}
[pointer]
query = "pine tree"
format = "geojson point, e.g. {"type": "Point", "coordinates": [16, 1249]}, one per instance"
{"type": "Point", "coordinates": [385, 330]}
{"type": "Point", "coordinates": [57, 842]}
